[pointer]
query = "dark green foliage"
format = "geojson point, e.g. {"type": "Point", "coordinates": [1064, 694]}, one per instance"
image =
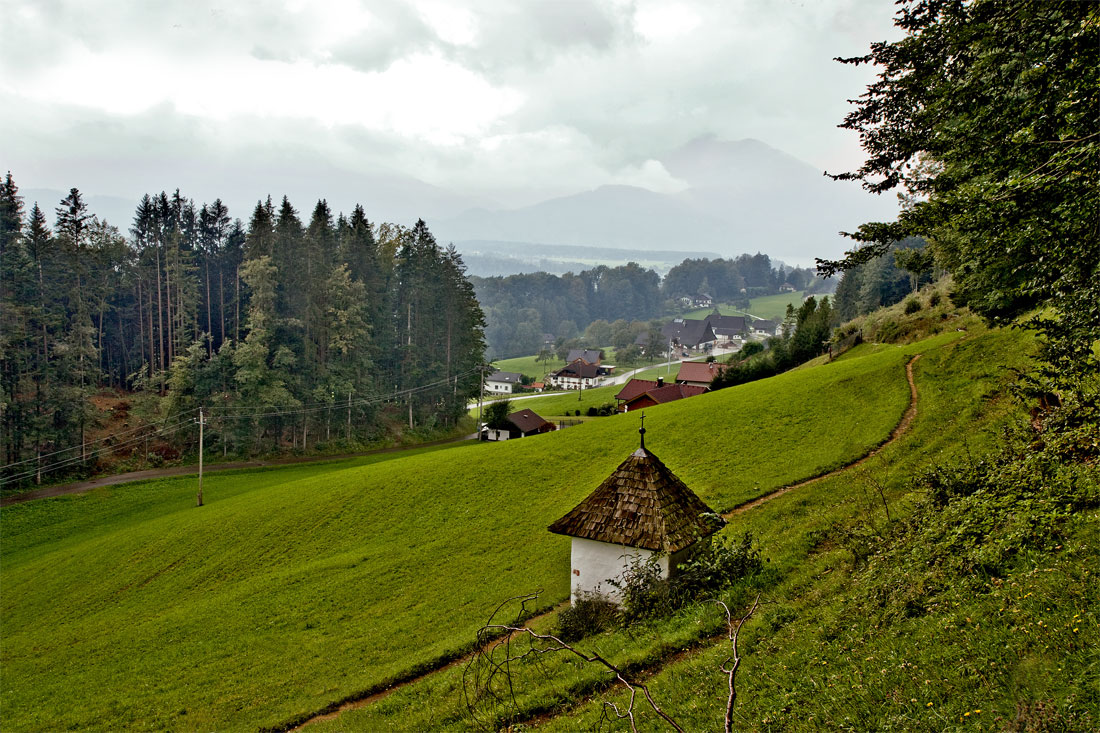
{"type": "Point", "coordinates": [752, 348]}
{"type": "Point", "coordinates": [716, 564]}
{"type": "Point", "coordinates": [743, 277]}
{"type": "Point", "coordinates": [200, 311]}
{"type": "Point", "coordinates": [585, 617]}
{"type": "Point", "coordinates": [912, 305]}
{"type": "Point", "coordinates": [519, 309]}
{"type": "Point", "coordinates": [883, 281]}
{"type": "Point", "coordinates": [495, 415]}
{"type": "Point", "coordinates": [985, 114]}
{"type": "Point", "coordinates": [812, 324]}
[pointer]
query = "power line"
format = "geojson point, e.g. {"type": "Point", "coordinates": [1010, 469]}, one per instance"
{"type": "Point", "coordinates": [275, 411]}
{"type": "Point", "coordinates": [97, 440]}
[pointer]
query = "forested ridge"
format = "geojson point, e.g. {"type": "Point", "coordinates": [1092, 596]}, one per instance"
{"type": "Point", "coordinates": [317, 317]}
{"type": "Point", "coordinates": [521, 310]}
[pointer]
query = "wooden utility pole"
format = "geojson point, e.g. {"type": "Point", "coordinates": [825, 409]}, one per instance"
{"type": "Point", "coordinates": [480, 399]}
{"type": "Point", "coordinates": [202, 421]}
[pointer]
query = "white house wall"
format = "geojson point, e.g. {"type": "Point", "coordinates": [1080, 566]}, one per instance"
{"type": "Point", "coordinates": [593, 563]}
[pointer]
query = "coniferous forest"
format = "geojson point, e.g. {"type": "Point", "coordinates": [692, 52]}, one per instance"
{"type": "Point", "coordinates": [287, 330]}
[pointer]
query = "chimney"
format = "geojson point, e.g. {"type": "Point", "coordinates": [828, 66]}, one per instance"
{"type": "Point", "coordinates": [660, 381]}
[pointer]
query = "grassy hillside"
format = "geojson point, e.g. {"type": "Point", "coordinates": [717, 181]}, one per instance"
{"type": "Point", "coordinates": [890, 641]}
{"type": "Point", "coordinates": [297, 587]}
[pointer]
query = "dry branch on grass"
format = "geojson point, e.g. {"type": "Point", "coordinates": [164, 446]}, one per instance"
{"type": "Point", "coordinates": [488, 677]}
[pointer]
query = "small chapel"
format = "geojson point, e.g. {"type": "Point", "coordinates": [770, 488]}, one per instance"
{"type": "Point", "coordinates": [642, 509]}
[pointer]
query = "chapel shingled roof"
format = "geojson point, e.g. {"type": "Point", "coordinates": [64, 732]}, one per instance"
{"type": "Point", "coordinates": [641, 504]}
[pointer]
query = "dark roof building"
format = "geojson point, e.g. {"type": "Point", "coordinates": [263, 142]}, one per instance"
{"type": "Point", "coordinates": [527, 422]}
{"type": "Point", "coordinates": [726, 327]}
{"type": "Point", "coordinates": [505, 377]}
{"type": "Point", "coordinates": [578, 369]}
{"type": "Point", "coordinates": [591, 356]}
{"type": "Point", "coordinates": [689, 332]}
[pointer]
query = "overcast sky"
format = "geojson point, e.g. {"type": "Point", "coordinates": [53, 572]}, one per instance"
{"type": "Point", "coordinates": [508, 100]}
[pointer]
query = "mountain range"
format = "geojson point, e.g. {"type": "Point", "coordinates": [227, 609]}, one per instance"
{"type": "Point", "coordinates": [739, 196]}
{"type": "Point", "coordinates": [735, 197]}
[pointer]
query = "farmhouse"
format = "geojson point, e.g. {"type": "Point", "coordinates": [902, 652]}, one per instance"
{"type": "Point", "coordinates": [635, 388]}
{"type": "Point", "coordinates": [589, 356]}
{"type": "Point", "coordinates": [578, 374]}
{"type": "Point", "coordinates": [691, 333]}
{"type": "Point", "coordinates": [727, 329]}
{"type": "Point", "coordinates": [640, 511]}
{"type": "Point", "coordinates": [661, 395]}
{"type": "Point", "coordinates": [698, 374]}
{"type": "Point", "coordinates": [766, 329]}
{"type": "Point", "coordinates": [521, 424]}
{"type": "Point", "coordinates": [503, 382]}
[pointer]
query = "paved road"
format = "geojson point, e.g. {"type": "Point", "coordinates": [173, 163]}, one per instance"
{"type": "Point", "coordinates": [619, 379]}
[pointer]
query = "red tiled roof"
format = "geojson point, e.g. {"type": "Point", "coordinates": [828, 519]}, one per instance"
{"type": "Point", "coordinates": [694, 371]}
{"type": "Point", "coordinates": [641, 504]}
{"type": "Point", "coordinates": [635, 387]}
{"type": "Point", "coordinates": [671, 393]}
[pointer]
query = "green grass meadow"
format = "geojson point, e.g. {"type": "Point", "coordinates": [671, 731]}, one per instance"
{"type": "Point", "coordinates": [297, 587]}
{"type": "Point", "coordinates": [814, 656]}
{"type": "Point", "coordinates": [769, 307]}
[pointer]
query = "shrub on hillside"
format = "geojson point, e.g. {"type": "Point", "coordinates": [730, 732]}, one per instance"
{"type": "Point", "coordinates": [717, 564]}
{"type": "Point", "coordinates": [912, 305]}
{"type": "Point", "coordinates": [587, 616]}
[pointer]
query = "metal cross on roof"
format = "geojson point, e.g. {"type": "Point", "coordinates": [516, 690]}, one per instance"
{"type": "Point", "coordinates": [641, 430]}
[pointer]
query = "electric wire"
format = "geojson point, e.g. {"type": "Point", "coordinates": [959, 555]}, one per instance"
{"type": "Point", "coordinates": [272, 411]}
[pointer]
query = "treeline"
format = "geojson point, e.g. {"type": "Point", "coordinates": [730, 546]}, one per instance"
{"type": "Point", "coordinates": [737, 280]}
{"type": "Point", "coordinates": [903, 268]}
{"type": "Point", "coordinates": [520, 309]}
{"type": "Point", "coordinates": [198, 309]}
{"type": "Point", "coordinates": [806, 333]}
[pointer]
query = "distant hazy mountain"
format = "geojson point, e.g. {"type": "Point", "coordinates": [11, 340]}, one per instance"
{"type": "Point", "coordinates": [385, 196]}
{"type": "Point", "coordinates": [743, 196]}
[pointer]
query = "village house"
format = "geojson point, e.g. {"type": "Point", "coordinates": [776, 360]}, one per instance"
{"type": "Point", "coordinates": [766, 329]}
{"type": "Point", "coordinates": [640, 393]}
{"type": "Point", "coordinates": [521, 424]}
{"type": "Point", "coordinates": [642, 510]}
{"type": "Point", "coordinates": [698, 374]}
{"type": "Point", "coordinates": [661, 395]}
{"type": "Point", "coordinates": [690, 333]}
{"type": "Point", "coordinates": [589, 356]}
{"type": "Point", "coordinates": [728, 329]}
{"type": "Point", "coordinates": [503, 382]}
{"type": "Point", "coordinates": [578, 374]}
{"type": "Point", "coordinates": [635, 388]}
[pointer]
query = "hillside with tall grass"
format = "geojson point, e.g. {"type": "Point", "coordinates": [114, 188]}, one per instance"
{"type": "Point", "coordinates": [298, 586]}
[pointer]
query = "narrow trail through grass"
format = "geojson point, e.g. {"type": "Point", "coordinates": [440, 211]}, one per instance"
{"type": "Point", "coordinates": [902, 427]}
{"type": "Point", "coordinates": [362, 701]}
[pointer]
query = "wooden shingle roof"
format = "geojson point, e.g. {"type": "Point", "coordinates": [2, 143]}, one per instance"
{"type": "Point", "coordinates": [642, 504]}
